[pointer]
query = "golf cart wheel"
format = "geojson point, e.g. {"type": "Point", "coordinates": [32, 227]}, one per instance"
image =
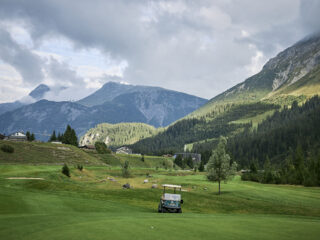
{"type": "Point", "coordinates": [163, 210]}
{"type": "Point", "coordinates": [179, 210]}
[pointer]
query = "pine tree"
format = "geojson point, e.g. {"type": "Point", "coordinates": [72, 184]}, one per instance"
{"type": "Point", "coordinates": [53, 137]}
{"type": "Point", "coordinates": [28, 135]}
{"type": "Point", "coordinates": [189, 162]}
{"type": "Point", "coordinates": [66, 170]}
{"type": "Point", "coordinates": [70, 137]}
{"type": "Point", "coordinates": [299, 164]}
{"type": "Point", "coordinates": [60, 137]}
{"type": "Point", "coordinates": [178, 160]}
{"type": "Point", "coordinates": [125, 169]}
{"type": "Point", "coordinates": [32, 137]}
{"type": "Point", "coordinates": [201, 167]}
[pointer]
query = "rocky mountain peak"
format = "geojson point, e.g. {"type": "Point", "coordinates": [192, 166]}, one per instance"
{"type": "Point", "coordinates": [39, 91]}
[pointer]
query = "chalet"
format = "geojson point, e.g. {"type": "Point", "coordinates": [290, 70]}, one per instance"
{"type": "Point", "coordinates": [124, 150]}
{"type": "Point", "coordinates": [17, 136]}
{"type": "Point", "coordinates": [88, 147]}
{"type": "Point", "coordinates": [196, 157]}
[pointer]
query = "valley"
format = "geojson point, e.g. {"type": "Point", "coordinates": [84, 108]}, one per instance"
{"type": "Point", "coordinates": [159, 120]}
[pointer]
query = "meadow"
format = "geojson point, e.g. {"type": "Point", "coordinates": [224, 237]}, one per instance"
{"type": "Point", "coordinates": [91, 206]}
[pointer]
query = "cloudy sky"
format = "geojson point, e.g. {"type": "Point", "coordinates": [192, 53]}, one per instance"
{"type": "Point", "coordinates": [201, 47]}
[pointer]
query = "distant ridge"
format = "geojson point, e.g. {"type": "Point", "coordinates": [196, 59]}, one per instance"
{"type": "Point", "coordinates": [113, 103]}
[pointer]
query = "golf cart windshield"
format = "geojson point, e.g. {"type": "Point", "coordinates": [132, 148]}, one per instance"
{"type": "Point", "coordinates": [172, 197]}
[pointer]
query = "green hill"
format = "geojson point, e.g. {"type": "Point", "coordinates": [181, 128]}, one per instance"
{"type": "Point", "coordinates": [118, 134]}
{"type": "Point", "coordinates": [45, 153]}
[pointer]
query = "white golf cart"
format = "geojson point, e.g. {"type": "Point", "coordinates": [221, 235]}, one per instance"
{"type": "Point", "coordinates": [170, 202]}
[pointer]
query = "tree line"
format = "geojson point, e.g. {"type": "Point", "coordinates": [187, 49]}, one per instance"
{"type": "Point", "coordinates": [284, 148]}
{"type": "Point", "coordinates": [213, 125]}
{"type": "Point", "coordinates": [68, 137]}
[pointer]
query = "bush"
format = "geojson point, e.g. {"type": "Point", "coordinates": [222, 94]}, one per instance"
{"type": "Point", "coordinates": [80, 167]}
{"type": "Point", "coordinates": [7, 148]}
{"type": "Point", "coordinates": [167, 164]}
{"type": "Point", "coordinates": [125, 169]}
{"type": "Point", "coordinates": [66, 170]}
{"type": "Point", "coordinates": [102, 148]}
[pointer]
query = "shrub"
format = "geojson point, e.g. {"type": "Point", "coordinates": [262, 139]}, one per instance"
{"type": "Point", "coordinates": [80, 167]}
{"type": "Point", "coordinates": [125, 169]}
{"type": "Point", "coordinates": [167, 164]}
{"type": "Point", "coordinates": [102, 148]}
{"type": "Point", "coordinates": [66, 170]}
{"type": "Point", "coordinates": [7, 148]}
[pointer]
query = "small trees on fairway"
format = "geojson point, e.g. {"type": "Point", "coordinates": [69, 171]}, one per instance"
{"type": "Point", "coordinates": [66, 170]}
{"type": "Point", "coordinates": [219, 166]}
{"type": "Point", "coordinates": [125, 169]}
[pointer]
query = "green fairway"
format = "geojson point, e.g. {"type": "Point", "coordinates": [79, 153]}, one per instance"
{"type": "Point", "coordinates": [89, 206]}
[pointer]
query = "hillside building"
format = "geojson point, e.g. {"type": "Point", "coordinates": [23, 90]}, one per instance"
{"type": "Point", "coordinates": [124, 150]}
{"type": "Point", "coordinates": [196, 157]}
{"type": "Point", "coordinates": [17, 136]}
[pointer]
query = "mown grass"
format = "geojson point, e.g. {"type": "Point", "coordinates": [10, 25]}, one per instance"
{"type": "Point", "coordinates": [135, 160]}
{"type": "Point", "coordinates": [89, 206]}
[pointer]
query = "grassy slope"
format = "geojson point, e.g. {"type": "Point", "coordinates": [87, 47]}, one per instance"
{"type": "Point", "coordinates": [307, 86]}
{"type": "Point", "coordinates": [48, 153]}
{"type": "Point", "coordinates": [134, 160]}
{"type": "Point", "coordinates": [45, 153]}
{"type": "Point", "coordinates": [88, 208]}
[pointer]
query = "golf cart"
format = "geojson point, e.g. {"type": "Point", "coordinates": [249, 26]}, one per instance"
{"type": "Point", "coordinates": [170, 202]}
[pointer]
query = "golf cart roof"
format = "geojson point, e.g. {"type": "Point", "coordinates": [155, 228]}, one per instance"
{"type": "Point", "coordinates": [171, 186]}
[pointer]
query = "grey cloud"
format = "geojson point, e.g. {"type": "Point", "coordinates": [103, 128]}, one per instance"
{"type": "Point", "coordinates": [22, 59]}
{"type": "Point", "coordinates": [310, 16]}
{"type": "Point", "coordinates": [195, 47]}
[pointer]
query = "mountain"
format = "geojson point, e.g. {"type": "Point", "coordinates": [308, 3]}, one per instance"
{"type": "Point", "coordinates": [293, 72]}
{"type": "Point", "coordinates": [152, 105]}
{"type": "Point", "coordinates": [45, 116]}
{"type": "Point", "coordinates": [108, 92]}
{"type": "Point", "coordinates": [159, 106]}
{"type": "Point", "coordinates": [6, 107]}
{"type": "Point", "coordinates": [36, 94]}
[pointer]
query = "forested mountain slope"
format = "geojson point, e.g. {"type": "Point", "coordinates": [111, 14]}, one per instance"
{"type": "Point", "coordinates": [293, 74]}
{"type": "Point", "coordinates": [120, 134]}
{"type": "Point", "coordinates": [280, 135]}
{"type": "Point", "coordinates": [195, 129]}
